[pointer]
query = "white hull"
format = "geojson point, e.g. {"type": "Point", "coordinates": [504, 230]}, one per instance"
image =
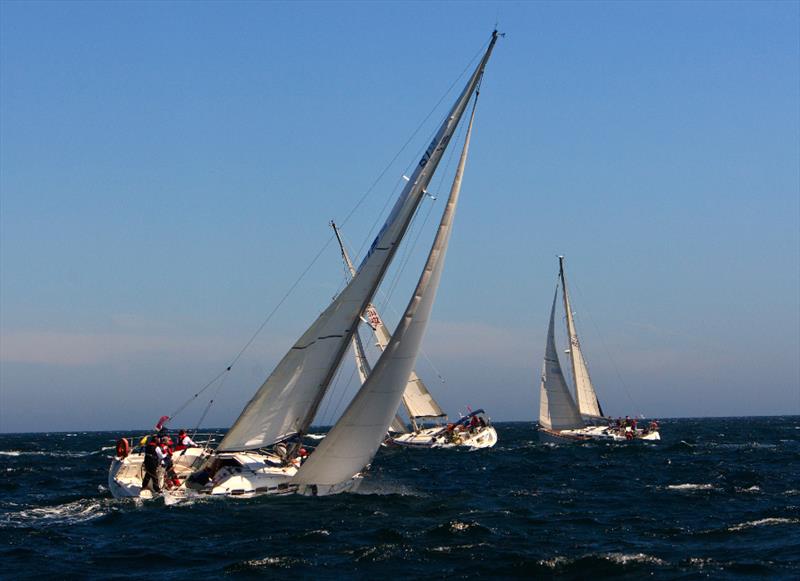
{"type": "Point", "coordinates": [241, 474]}
{"type": "Point", "coordinates": [438, 437]}
{"type": "Point", "coordinates": [596, 433]}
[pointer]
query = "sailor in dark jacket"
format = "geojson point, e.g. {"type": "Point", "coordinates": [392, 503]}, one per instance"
{"type": "Point", "coordinates": [151, 463]}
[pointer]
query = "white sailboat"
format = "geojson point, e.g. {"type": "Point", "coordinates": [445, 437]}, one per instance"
{"type": "Point", "coordinates": [472, 431]}
{"type": "Point", "coordinates": [262, 451]}
{"type": "Point", "coordinates": [561, 419]}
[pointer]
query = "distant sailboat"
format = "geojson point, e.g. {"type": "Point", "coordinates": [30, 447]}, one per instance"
{"type": "Point", "coordinates": [262, 452]}
{"type": "Point", "coordinates": [560, 417]}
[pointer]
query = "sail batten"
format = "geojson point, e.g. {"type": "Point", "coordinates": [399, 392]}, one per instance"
{"type": "Point", "coordinates": [290, 397]}
{"type": "Point", "coordinates": [352, 442]}
{"type": "Point", "coordinates": [584, 390]}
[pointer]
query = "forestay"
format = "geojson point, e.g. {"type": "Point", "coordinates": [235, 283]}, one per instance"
{"type": "Point", "coordinates": [557, 409]}
{"type": "Point", "coordinates": [352, 442]}
{"type": "Point", "coordinates": [584, 391]}
{"type": "Point", "coordinates": [288, 400]}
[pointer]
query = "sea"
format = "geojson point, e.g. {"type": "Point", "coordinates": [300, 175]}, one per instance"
{"type": "Point", "coordinates": [716, 498]}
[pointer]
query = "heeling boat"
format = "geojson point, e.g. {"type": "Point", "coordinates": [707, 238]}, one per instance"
{"type": "Point", "coordinates": [561, 419]}
{"type": "Point", "coordinates": [472, 431]}
{"type": "Point", "coordinates": [261, 453]}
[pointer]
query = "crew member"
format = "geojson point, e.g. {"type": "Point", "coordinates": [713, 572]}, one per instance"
{"type": "Point", "coordinates": [152, 459]}
{"type": "Point", "coordinates": [184, 441]}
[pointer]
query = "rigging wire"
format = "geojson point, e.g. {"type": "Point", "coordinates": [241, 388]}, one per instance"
{"type": "Point", "coordinates": [327, 243]}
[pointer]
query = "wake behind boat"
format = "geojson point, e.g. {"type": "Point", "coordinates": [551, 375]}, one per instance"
{"type": "Point", "coordinates": [262, 451]}
{"type": "Point", "coordinates": [560, 418]}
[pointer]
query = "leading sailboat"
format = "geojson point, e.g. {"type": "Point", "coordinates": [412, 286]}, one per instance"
{"type": "Point", "coordinates": [561, 419]}
{"type": "Point", "coordinates": [262, 453]}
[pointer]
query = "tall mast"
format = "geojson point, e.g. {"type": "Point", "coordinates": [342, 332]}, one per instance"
{"type": "Point", "coordinates": [355, 438]}
{"type": "Point", "coordinates": [287, 402]}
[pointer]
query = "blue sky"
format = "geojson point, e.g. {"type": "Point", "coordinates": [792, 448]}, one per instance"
{"type": "Point", "coordinates": [167, 170]}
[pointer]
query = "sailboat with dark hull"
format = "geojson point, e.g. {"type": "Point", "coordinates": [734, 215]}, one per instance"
{"type": "Point", "coordinates": [262, 451]}
{"type": "Point", "coordinates": [562, 418]}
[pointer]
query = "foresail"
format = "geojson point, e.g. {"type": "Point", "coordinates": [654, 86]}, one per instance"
{"type": "Point", "coordinates": [418, 401]}
{"type": "Point", "coordinates": [352, 442]}
{"type": "Point", "coordinates": [557, 409]}
{"type": "Point", "coordinates": [288, 400]}
{"type": "Point", "coordinates": [584, 391]}
{"type": "Point", "coordinates": [364, 369]}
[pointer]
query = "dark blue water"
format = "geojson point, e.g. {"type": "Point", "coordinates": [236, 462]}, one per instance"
{"type": "Point", "coordinates": [716, 498]}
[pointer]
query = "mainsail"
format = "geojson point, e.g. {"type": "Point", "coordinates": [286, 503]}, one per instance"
{"type": "Point", "coordinates": [352, 442]}
{"type": "Point", "coordinates": [288, 400]}
{"type": "Point", "coordinates": [557, 409]}
{"type": "Point", "coordinates": [418, 401]}
{"type": "Point", "coordinates": [584, 391]}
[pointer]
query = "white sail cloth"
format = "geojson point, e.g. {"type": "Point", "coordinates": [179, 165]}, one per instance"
{"type": "Point", "coordinates": [418, 401]}
{"type": "Point", "coordinates": [288, 400]}
{"type": "Point", "coordinates": [364, 369]}
{"type": "Point", "coordinates": [557, 409]}
{"type": "Point", "coordinates": [352, 442]}
{"type": "Point", "coordinates": [584, 390]}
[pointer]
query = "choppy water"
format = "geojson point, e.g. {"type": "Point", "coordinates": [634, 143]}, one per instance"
{"type": "Point", "coordinates": [717, 498]}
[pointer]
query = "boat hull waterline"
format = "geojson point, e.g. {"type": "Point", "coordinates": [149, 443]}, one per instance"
{"type": "Point", "coordinates": [595, 434]}
{"type": "Point", "coordinates": [438, 438]}
{"type": "Point", "coordinates": [242, 474]}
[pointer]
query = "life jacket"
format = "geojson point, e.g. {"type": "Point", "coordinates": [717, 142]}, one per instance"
{"type": "Point", "coordinates": [150, 451]}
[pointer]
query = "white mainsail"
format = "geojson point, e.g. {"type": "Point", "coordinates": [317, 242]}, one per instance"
{"type": "Point", "coordinates": [352, 442]}
{"type": "Point", "coordinates": [288, 400]}
{"type": "Point", "coordinates": [418, 401]}
{"type": "Point", "coordinates": [557, 409]}
{"type": "Point", "coordinates": [584, 391]}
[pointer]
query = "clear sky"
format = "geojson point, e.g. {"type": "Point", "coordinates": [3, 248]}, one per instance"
{"type": "Point", "coordinates": [168, 170]}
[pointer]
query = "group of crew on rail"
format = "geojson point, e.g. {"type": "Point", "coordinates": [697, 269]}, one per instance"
{"type": "Point", "coordinates": [158, 450]}
{"type": "Point", "coordinates": [628, 427]}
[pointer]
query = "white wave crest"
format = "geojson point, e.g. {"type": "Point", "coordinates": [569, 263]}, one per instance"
{"type": "Point", "coordinates": [70, 513]}
{"type": "Point", "coordinates": [624, 558]}
{"type": "Point", "coordinates": [16, 453]}
{"type": "Point", "coordinates": [764, 522]}
{"type": "Point", "coordinates": [689, 486]}
{"type": "Point", "coordinates": [753, 488]}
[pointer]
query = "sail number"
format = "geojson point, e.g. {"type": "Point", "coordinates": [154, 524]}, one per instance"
{"type": "Point", "coordinates": [426, 157]}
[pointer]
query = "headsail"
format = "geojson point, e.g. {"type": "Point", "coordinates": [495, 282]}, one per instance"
{"type": "Point", "coordinates": [288, 400]}
{"type": "Point", "coordinates": [418, 401]}
{"type": "Point", "coordinates": [352, 442]}
{"type": "Point", "coordinates": [557, 409]}
{"type": "Point", "coordinates": [584, 391]}
{"type": "Point", "coordinates": [364, 369]}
